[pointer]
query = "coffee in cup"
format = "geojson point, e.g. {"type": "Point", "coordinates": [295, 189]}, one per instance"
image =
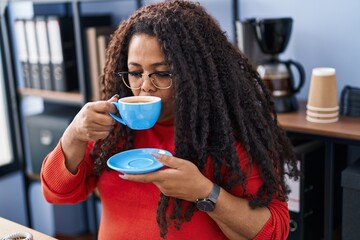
{"type": "Point", "coordinates": [138, 112]}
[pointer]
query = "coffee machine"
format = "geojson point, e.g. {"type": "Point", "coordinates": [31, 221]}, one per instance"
{"type": "Point", "coordinates": [270, 37]}
{"type": "Point", "coordinates": [247, 41]}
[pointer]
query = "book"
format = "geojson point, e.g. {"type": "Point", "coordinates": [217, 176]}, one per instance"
{"type": "Point", "coordinates": [21, 46]}
{"type": "Point", "coordinates": [33, 54]}
{"type": "Point", "coordinates": [44, 53]}
{"type": "Point", "coordinates": [94, 58]}
{"type": "Point", "coordinates": [103, 41]}
{"type": "Point", "coordinates": [62, 53]}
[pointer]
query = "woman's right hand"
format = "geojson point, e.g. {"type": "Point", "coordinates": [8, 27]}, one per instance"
{"type": "Point", "coordinates": [92, 122]}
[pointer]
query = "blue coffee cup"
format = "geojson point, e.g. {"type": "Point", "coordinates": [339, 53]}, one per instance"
{"type": "Point", "coordinates": [138, 112]}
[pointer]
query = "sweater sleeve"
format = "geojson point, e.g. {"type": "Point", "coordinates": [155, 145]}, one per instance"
{"type": "Point", "coordinates": [59, 185]}
{"type": "Point", "coordinates": [277, 226]}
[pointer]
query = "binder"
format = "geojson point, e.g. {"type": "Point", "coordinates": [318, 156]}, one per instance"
{"type": "Point", "coordinates": [306, 200]}
{"type": "Point", "coordinates": [33, 54]}
{"type": "Point", "coordinates": [62, 53]}
{"type": "Point", "coordinates": [44, 53]}
{"type": "Point", "coordinates": [94, 58]}
{"type": "Point", "coordinates": [21, 45]}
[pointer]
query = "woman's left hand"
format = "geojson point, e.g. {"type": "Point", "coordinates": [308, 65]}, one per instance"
{"type": "Point", "coordinates": [181, 179]}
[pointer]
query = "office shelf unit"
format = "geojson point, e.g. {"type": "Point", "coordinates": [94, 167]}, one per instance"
{"type": "Point", "coordinates": [39, 107]}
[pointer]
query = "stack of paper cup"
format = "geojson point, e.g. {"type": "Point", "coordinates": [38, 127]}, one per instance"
{"type": "Point", "coordinates": [322, 105]}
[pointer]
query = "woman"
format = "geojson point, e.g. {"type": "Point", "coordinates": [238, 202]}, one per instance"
{"type": "Point", "coordinates": [226, 177]}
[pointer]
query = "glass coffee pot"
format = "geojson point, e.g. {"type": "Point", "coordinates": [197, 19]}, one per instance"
{"type": "Point", "coordinates": [273, 35]}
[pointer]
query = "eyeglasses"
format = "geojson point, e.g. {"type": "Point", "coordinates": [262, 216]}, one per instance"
{"type": "Point", "coordinates": [134, 80]}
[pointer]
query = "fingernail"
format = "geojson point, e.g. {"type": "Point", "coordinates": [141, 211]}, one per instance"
{"type": "Point", "coordinates": [123, 176]}
{"type": "Point", "coordinates": [116, 95]}
{"type": "Point", "coordinates": [156, 155]}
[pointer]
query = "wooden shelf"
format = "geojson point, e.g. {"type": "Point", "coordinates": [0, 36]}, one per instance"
{"type": "Point", "coordinates": [346, 127]}
{"type": "Point", "coordinates": [62, 97]}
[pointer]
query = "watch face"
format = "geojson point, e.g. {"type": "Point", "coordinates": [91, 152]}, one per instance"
{"type": "Point", "coordinates": [205, 205]}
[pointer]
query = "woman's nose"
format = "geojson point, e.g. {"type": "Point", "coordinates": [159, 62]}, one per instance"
{"type": "Point", "coordinates": [147, 84]}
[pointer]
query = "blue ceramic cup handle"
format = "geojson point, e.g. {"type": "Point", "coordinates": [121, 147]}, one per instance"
{"type": "Point", "coordinates": [116, 117]}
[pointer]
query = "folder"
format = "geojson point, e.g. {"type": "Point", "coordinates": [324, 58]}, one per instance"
{"type": "Point", "coordinates": [33, 54]}
{"type": "Point", "coordinates": [44, 53]}
{"type": "Point", "coordinates": [21, 45]}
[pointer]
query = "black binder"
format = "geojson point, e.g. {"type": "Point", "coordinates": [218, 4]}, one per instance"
{"type": "Point", "coordinates": [307, 214]}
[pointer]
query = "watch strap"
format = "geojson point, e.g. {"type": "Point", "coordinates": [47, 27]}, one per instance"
{"type": "Point", "coordinates": [214, 193]}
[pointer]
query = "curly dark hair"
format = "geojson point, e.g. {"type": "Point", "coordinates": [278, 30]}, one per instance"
{"type": "Point", "coordinates": [220, 100]}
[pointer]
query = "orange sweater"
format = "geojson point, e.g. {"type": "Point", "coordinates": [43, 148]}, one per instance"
{"type": "Point", "coordinates": [129, 208]}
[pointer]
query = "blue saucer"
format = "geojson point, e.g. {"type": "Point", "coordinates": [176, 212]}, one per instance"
{"type": "Point", "coordinates": [136, 161]}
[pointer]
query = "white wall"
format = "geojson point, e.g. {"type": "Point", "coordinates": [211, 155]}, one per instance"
{"type": "Point", "coordinates": [325, 33]}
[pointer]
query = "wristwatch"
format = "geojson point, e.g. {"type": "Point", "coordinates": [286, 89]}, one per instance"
{"type": "Point", "coordinates": [208, 204]}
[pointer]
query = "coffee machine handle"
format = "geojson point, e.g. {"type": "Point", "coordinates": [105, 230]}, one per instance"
{"type": "Point", "coordinates": [301, 71]}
